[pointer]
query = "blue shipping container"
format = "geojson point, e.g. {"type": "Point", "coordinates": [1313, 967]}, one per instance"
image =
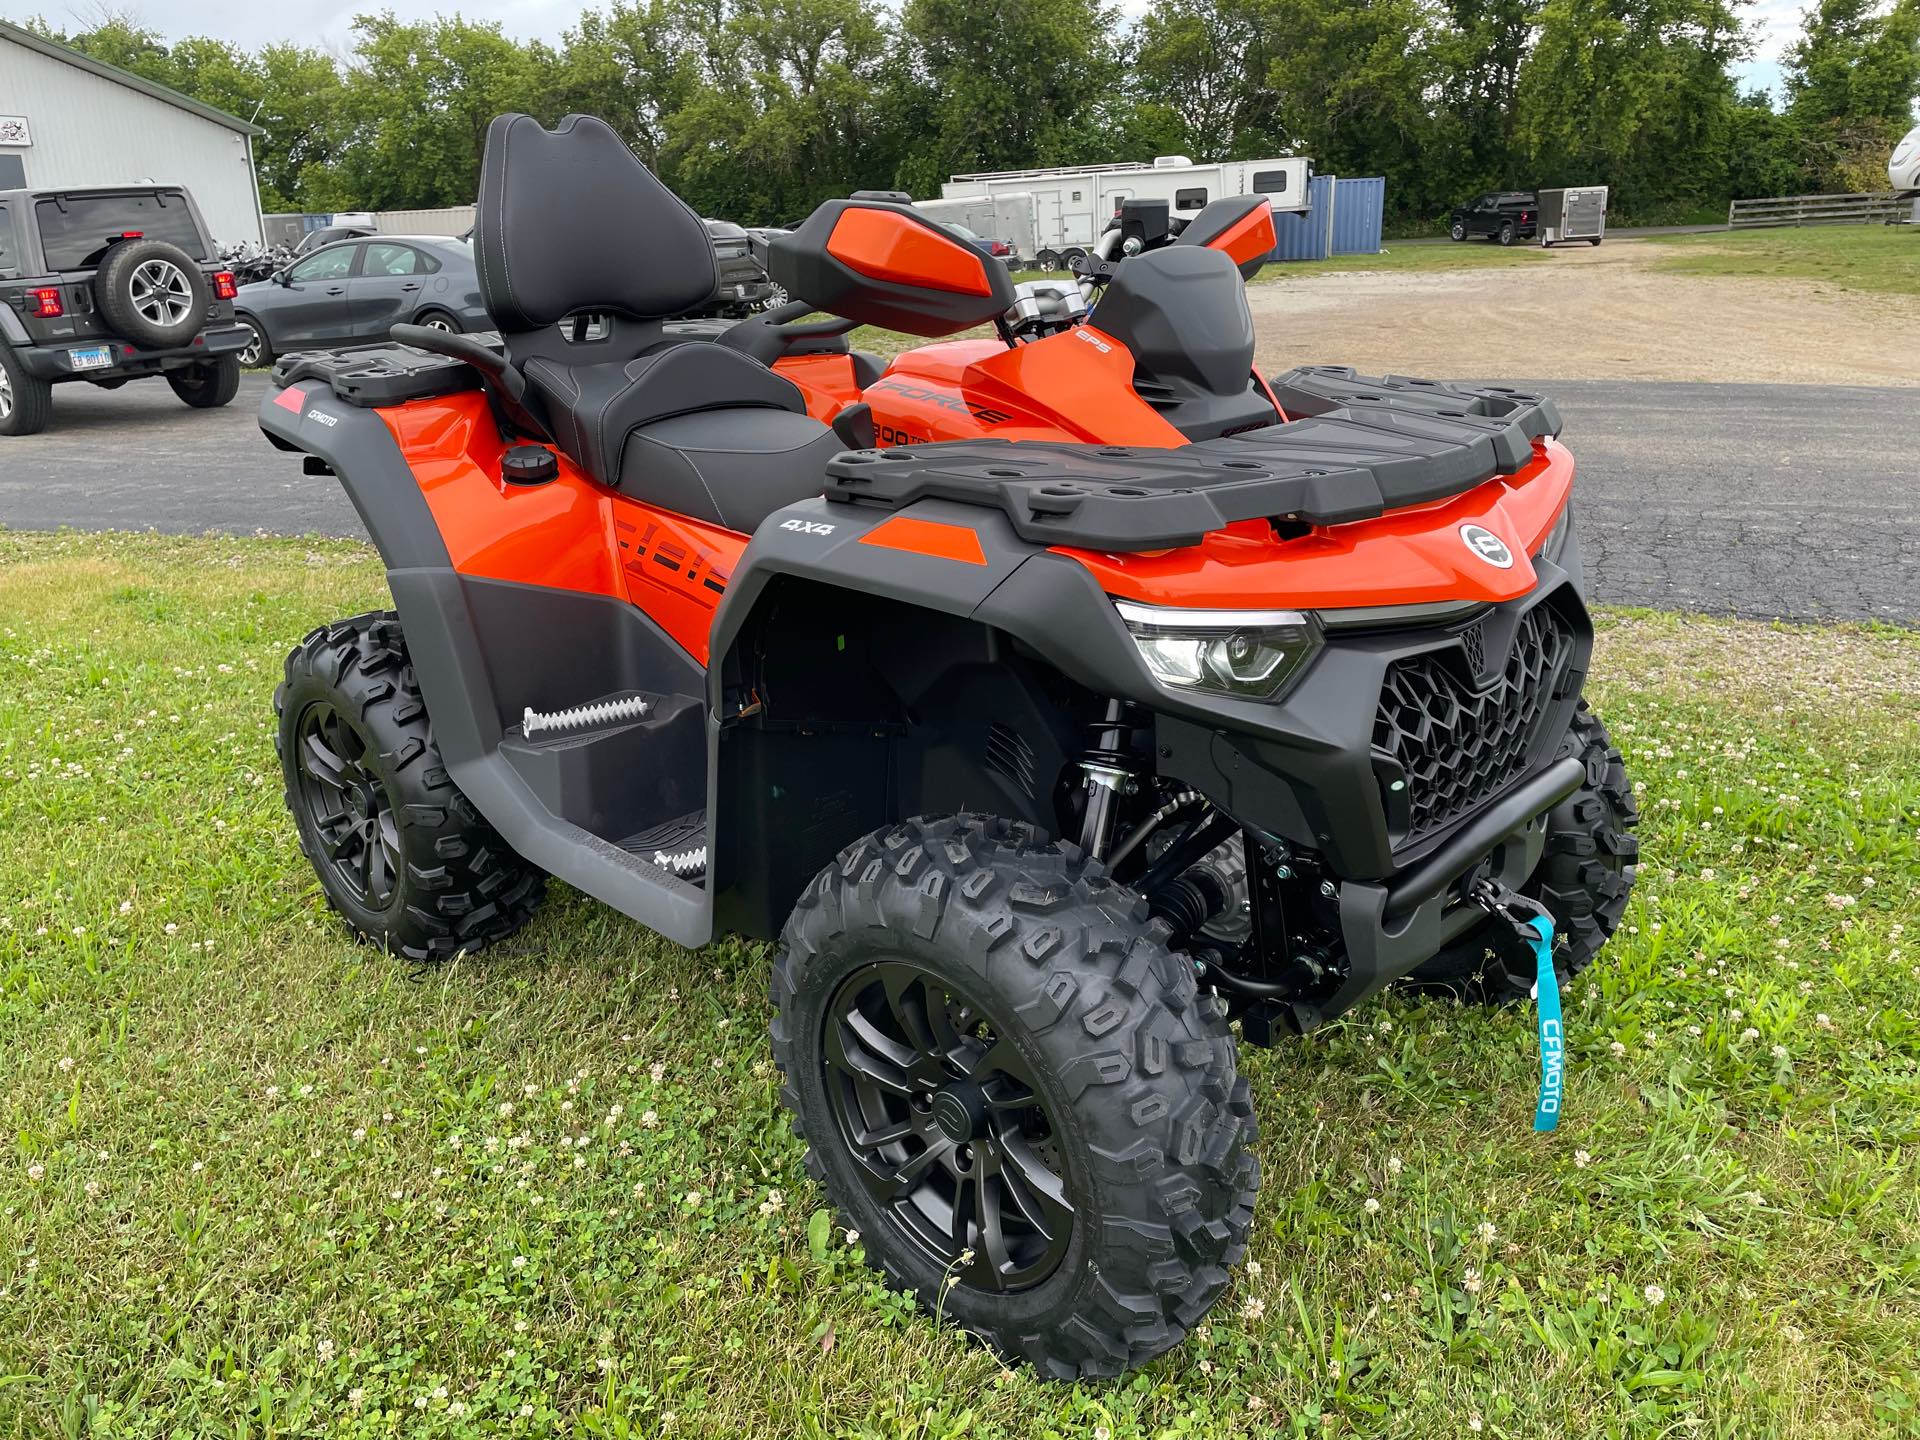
{"type": "Point", "coordinates": [1308, 236]}
{"type": "Point", "coordinates": [1344, 217]}
{"type": "Point", "coordinates": [1359, 210]}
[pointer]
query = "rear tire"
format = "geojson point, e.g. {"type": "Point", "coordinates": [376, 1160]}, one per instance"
{"type": "Point", "coordinates": [985, 1022]}
{"type": "Point", "coordinates": [1507, 233]}
{"type": "Point", "coordinates": [26, 401]}
{"type": "Point", "coordinates": [209, 384]}
{"type": "Point", "coordinates": [1584, 878]}
{"type": "Point", "coordinates": [403, 856]}
{"type": "Point", "coordinates": [1593, 240]}
{"type": "Point", "coordinates": [440, 320]}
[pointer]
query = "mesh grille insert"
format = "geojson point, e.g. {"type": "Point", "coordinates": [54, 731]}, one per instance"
{"type": "Point", "coordinates": [1459, 749]}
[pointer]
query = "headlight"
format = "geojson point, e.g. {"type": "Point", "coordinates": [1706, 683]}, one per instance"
{"type": "Point", "coordinates": [1557, 536]}
{"type": "Point", "coordinates": [1249, 653]}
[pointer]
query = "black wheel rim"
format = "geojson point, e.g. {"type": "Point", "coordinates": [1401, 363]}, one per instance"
{"type": "Point", "coordinates": [347, 804]}
{"type": "Point", "coordinates": [946, 1127]}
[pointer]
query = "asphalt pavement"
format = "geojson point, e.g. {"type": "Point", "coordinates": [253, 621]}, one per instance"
{"type": "Point", "coordinates": [1788, 501]}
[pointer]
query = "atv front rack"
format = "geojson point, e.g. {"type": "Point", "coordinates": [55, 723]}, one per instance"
{"type": "Point", "coordinates": [1360, 447]}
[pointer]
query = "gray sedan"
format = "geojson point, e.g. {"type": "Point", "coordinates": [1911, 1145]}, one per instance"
{"type": "Point", "coordinates": [357, 290]}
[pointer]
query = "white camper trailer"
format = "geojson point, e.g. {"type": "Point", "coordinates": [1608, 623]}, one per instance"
{"type": "Point", "coordinates": [1903, 170]}
{"type": "Point", "coordinates": [1072, 204]}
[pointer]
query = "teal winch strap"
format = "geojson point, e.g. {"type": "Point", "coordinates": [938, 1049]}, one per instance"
{"type": "Point", "coordinates": [1553, 1049]}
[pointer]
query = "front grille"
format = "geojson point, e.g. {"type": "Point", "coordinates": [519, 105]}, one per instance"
{"type": "Point", "coordinates": [1457, 747]}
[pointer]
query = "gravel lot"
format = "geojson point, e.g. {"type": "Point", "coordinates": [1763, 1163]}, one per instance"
{"type": "Point", "coordinates": [1589, 313]}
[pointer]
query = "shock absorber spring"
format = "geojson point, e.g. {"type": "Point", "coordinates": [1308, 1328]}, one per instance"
{"type": "Point", "coordinates": [1109, 771]}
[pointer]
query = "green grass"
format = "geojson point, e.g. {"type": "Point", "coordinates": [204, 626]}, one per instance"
{"type": "Point", "coordinates": [1883, 259]}
{"type": "Point", "coordinates": [260, 1181]}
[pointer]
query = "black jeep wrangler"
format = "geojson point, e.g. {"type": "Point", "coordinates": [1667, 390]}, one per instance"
{"type": "Point", "coordinates": [1503, 215]}
{"type": "Point", "coordinates": [107, 285]}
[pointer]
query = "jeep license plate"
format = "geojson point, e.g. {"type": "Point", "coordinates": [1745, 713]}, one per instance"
{"type": "Point", "coordinates": [98, 358]}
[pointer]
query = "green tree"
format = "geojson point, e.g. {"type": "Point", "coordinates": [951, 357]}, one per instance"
{"type": "Point", "coordinates": [993, 86]}
{"type": "Point", "coordinates": [419, 98]}
{"type": "Point", "coordinates": [1852, 80]}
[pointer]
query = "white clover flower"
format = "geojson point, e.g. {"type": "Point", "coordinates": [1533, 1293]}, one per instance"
{"type": "Point", "coordinates": [1371, 1206]}
{"type": "Point", "coordinates": [1654, 1294]}
{"type": "Point", "coordinates": [1581, 1159]}
{"type": "Point", "coordinates": [1254, 1309]}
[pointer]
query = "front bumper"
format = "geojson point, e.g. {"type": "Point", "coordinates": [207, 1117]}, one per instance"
{"type": "Point", "coordinates": [55, 362]}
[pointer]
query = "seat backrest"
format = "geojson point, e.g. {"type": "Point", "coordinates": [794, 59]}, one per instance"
{"type": "Point", "coordinates": [569, 220]}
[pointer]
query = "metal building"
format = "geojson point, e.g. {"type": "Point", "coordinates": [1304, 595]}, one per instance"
{"type": "Point", "coordinates": [67, 121]}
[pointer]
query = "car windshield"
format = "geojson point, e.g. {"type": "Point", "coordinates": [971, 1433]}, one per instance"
{"type": "Point", "coordinates": [75, 230]}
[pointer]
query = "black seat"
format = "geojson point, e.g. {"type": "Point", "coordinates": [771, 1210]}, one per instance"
{"type": "Point", "coordinates": [570, 220]}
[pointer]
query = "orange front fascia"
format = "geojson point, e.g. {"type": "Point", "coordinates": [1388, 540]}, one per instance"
{"type": "Point", "coordinates": [569, 534]}
{"type": "Point", "coordinates": [885, 245]}
{"type": "Point", "coordinates": [1077, 385]}
{"type": "Point", "coordinates": [1406, 557]}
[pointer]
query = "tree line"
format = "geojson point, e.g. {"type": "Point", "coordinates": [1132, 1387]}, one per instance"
{"type": "Point", "coordinates": [758, 109]}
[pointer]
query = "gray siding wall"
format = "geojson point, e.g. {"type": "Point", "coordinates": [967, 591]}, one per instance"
{"type": "Point", "coordinates": [90, 131]}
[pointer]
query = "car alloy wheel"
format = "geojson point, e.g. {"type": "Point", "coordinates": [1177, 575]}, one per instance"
{"type": "Point", "coordinates": [1459, 231]}
{"type": "Point", "coordinates": [438, 322]}
{"type": "Point", "coordinates": [161, 293]}
{"type": "Point", "coordinates": [250, 352]}
{"type": "Point", "coordinates": [348, 805]}
{"type": "Point", "coordinates": [946, 1126]}
{"type": "Point", "coordinates": [6, 394]}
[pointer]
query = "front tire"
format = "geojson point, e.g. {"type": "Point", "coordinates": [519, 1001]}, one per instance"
{"type": "Point", "coordinates": [26, 401]}
{"type": "Point", "coordinates": [1458, 232]}
{"type": "Point", "coordinates": [257, 353]}
{"type": "Point", "coordinates": [1012, 1089]}
{"type": "Point", "coordinates": [403, 856]}
{"type": "Point", "coordinates": [209, 384]}
{"type": "Point", "coordinates": [1584, 878]}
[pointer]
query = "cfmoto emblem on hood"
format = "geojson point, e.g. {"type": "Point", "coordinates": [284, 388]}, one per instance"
{"type": "Point", "coordinates": [1488, 546]}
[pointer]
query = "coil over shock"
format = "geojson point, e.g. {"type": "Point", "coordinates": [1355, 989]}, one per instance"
{"type": "Point", "coordinates": [1109, 771]}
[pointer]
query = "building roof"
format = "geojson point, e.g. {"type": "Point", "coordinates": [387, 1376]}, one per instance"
{"type": "Point", "coordinates": [28, 40]}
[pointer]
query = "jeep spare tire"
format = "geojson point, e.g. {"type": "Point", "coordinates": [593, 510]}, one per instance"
{"type": "Point", "coordinates": [151, 293]}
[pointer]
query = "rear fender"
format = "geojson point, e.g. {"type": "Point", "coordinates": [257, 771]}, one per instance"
{"type": "Point", "coordinates": [360, 449]}
{"type": "Point", "coordinates": [484, 649]}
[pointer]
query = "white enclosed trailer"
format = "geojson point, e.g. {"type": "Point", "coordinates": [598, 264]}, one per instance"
{"type": "Point", "coordinates": [1072, 204]}
{"type": "Point", "coordinates": [1008, 216]}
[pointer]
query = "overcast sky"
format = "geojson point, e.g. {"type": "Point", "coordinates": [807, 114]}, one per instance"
{"type": "Point", "coordinates": [328, 23]}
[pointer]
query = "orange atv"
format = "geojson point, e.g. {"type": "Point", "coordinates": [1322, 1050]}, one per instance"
{"type": "Point", "coordinates": [1135, 696]}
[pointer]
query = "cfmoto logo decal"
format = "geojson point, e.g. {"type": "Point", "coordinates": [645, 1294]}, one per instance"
{"type": "Point", "coordinates": [1488, 546]}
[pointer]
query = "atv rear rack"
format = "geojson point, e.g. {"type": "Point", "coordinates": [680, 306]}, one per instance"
{"type": "Point", "coordinates": [1360, 447]}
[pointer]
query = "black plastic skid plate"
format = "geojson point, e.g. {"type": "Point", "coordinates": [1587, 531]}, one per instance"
{"type": "Point", "coordinates": [388, 373]}
{"type": "Point", "coordinates": [1361, 446]}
